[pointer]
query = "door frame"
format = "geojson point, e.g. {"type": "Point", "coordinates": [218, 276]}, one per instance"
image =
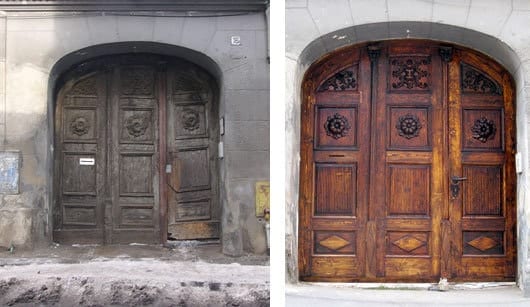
{"type": "Point", "coordinates": [307, 98]}
{"type": "Point", "coordinates": [100, 63]}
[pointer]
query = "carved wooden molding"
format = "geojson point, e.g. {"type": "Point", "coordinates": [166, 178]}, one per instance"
{"type": "Point", "coordinates": [408, 126]}
{"type": "Point", "coordinates": [344, 80]}
{"type": "Point", "coordinates": [337, 126]}
{"type": "Point", "coordinates": [373, 52]}
{"type": "Point", "coordinates": [80, 126]}
{"type": "Point", "coordinates": [409, 243]}
{"type": "Point", "coordinates": [475, 81]}
{"type": "Point", "coordinates": [410, 73]}
{"type": "Point", "coordinates": [446, 53]}
{"type": "Point", "coordinates": [137, 125]}
{"type": "Point", "coordinates": [190, 120]}
{"type": "Point", "coordinates": [483, 129]}
{"type": "Point", "coordinates": [86, 87]}
{"type": "Point", "coordinates": [137, 82]}
{"type": "Point", "coordinates": [483, 243]}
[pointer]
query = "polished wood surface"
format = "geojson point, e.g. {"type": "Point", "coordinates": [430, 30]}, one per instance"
{"type": "Point", "coordinates": [407, 170]}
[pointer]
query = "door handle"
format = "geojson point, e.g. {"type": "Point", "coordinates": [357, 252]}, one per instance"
{"type": "Point", "coordinates": [455, 187]}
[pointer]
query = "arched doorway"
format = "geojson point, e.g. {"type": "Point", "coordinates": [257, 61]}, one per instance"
{"type": "Point", "coordinates": [135, 156]}
{"type": "Point", "coordinates": [407, 165]}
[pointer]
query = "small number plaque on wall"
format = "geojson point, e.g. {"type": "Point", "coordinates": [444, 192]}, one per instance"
{"type": "Point", "coordinates": [9, 172]}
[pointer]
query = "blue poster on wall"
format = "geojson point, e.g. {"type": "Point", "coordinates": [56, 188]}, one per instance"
{"type": "Point", "coordinates": [9, 172]}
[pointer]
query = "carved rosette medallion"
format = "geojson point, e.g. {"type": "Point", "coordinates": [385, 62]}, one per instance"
{"type": "Point", "coordinates": [408, 126]}
{"type": "Point", "coordinates": [475, 81]}
{"type": "Point", "coordinates": [137, 125]}
{"type": "Point", "coordinates": [337, 126]}
{"type": "Point", "coordinates": [190, 120]}
{"type": "Point", "coordinates": [483, 129]}
{"type": "Point", "coordinates": [79, 126]}
{"type": "Point", "coordinates": [410, 73]}
{"type": "Point", "coordinates": [344, 80]}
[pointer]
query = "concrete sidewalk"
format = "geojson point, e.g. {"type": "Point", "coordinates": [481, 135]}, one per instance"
{"type": "Point", "coordinates": [132, 276]}
{"type": "Point", "coordinates": [337, 295]}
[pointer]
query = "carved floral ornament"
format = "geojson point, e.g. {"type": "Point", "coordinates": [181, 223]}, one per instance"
{"type": "Point", "coordinates": [475, 81]}
{"type": "Point", "coordinates": [483, 129]}
{"type": "Point", "coordinates": [337, 126]}
{"type": "Point", "coordinates": [408, 126]}
{"type": "Point", "coordinates": [190, 119]}
{"type": "Point", "coordinates": [79, 126]}
{"type": "Point", "coordinates": [138, 82]}
{"type": "Point", "coordinates": [137, 125]}
{"type": "Point", "coordinates": [86, 87]}
{"type": "Point", "coordinates": [344, 80]}
{"type": "Point", "coordinates": [409, 73]}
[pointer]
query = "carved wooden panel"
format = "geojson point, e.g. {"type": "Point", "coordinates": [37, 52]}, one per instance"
{"type": "Point", "coordinates": [191, 210]}
{"type": "Point", "coordinates": [78, 179]}
{"type": "Point", "coordinates": [482, 129]}
{"type": "Point", "coordinates": [137, 126]}
{"type": "Point", "coordinates": [409, 189]}
{"type": "Point", "coordinates": [409, 128]}
{"type": "Point", "coordinates": [410, 73]}
{"type": "Point", "coordinates": [483, 243]}
{"type": "Point", "coordinates": [187, 82]}
{"type": "Point", "coordinates": [336, 127]}
{"type": "Point", "coordinates": [482, 191]}
{"type": "Point", "coordinates": [344, 80]}
{"type": "Point", "coordinates": [80, 125]}
{"type": "Point", "coordinates": [378, 158]}
{"type": "Point", "coordinates": [193, 134]}
{"type": "Point", "coordinates": [336, 186]}
{"type": "Point", "coordinates": [136, 216]}
{"type": "Point", "coordinates": [335, 242]}
{"type": "Point", "coordinates": [191, 122]}
{"type": "Point", "coordinates": [85, 87]}
{"type": "Point", "coordinates": [137, 81]}
{"type": "Point", "coordinates": [191, 169]}
{"type": "Point", "coordinates": [475, 81]}
{"type": "Point", "coordinates": [407, 243]}
{"type": "Point", "coordinates": [79, 214]}
{"type": "Point", "coordinates": [136, 174]}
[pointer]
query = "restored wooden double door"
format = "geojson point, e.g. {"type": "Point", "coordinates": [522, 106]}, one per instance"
{"type": "Point", "coordinates": [135, 152]}
{"type": "Point", "coordinates": [407, 166]}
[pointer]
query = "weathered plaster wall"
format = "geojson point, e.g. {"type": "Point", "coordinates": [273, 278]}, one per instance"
{"type": "Point", "coordinates": [497, 28]}
{"type": "Point", "coordinates": [35, 42]}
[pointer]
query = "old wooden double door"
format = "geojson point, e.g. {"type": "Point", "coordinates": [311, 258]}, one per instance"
{"type": "Point", "coordinates": [135, 152]}
{"type": "Point", "coordinates": [407, 166]}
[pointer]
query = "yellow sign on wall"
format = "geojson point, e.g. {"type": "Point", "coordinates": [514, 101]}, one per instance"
{"type": "Point", "coordinates": [263, 198]}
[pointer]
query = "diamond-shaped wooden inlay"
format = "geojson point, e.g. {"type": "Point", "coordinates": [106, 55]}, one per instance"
{"type": "Point", "coordinates": [334, 242]}
{"type": "Point", "coordinates": [483, 243]}
{"type": "Point", "coordinates": [408, 243]}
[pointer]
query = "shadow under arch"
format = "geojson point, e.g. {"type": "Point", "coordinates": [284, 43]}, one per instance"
{"type": "Point", "coordinates": [80, 61]}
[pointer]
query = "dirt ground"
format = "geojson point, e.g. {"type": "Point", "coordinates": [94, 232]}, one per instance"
{"type": "Point", "coordinates": [187, 274]}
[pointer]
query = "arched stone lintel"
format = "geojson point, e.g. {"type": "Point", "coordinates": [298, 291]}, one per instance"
{"type": "Point", "coordinates": [484, 43]}
{"type": "Point", "coordinates": [83, 55]}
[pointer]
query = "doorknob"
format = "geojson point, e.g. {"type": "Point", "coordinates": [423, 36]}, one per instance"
{"type": "Point", "coordinates": [455, 187]}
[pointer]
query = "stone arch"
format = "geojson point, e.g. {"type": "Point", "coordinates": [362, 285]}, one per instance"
{"type": "Point", "coordinates": [311, 51]}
